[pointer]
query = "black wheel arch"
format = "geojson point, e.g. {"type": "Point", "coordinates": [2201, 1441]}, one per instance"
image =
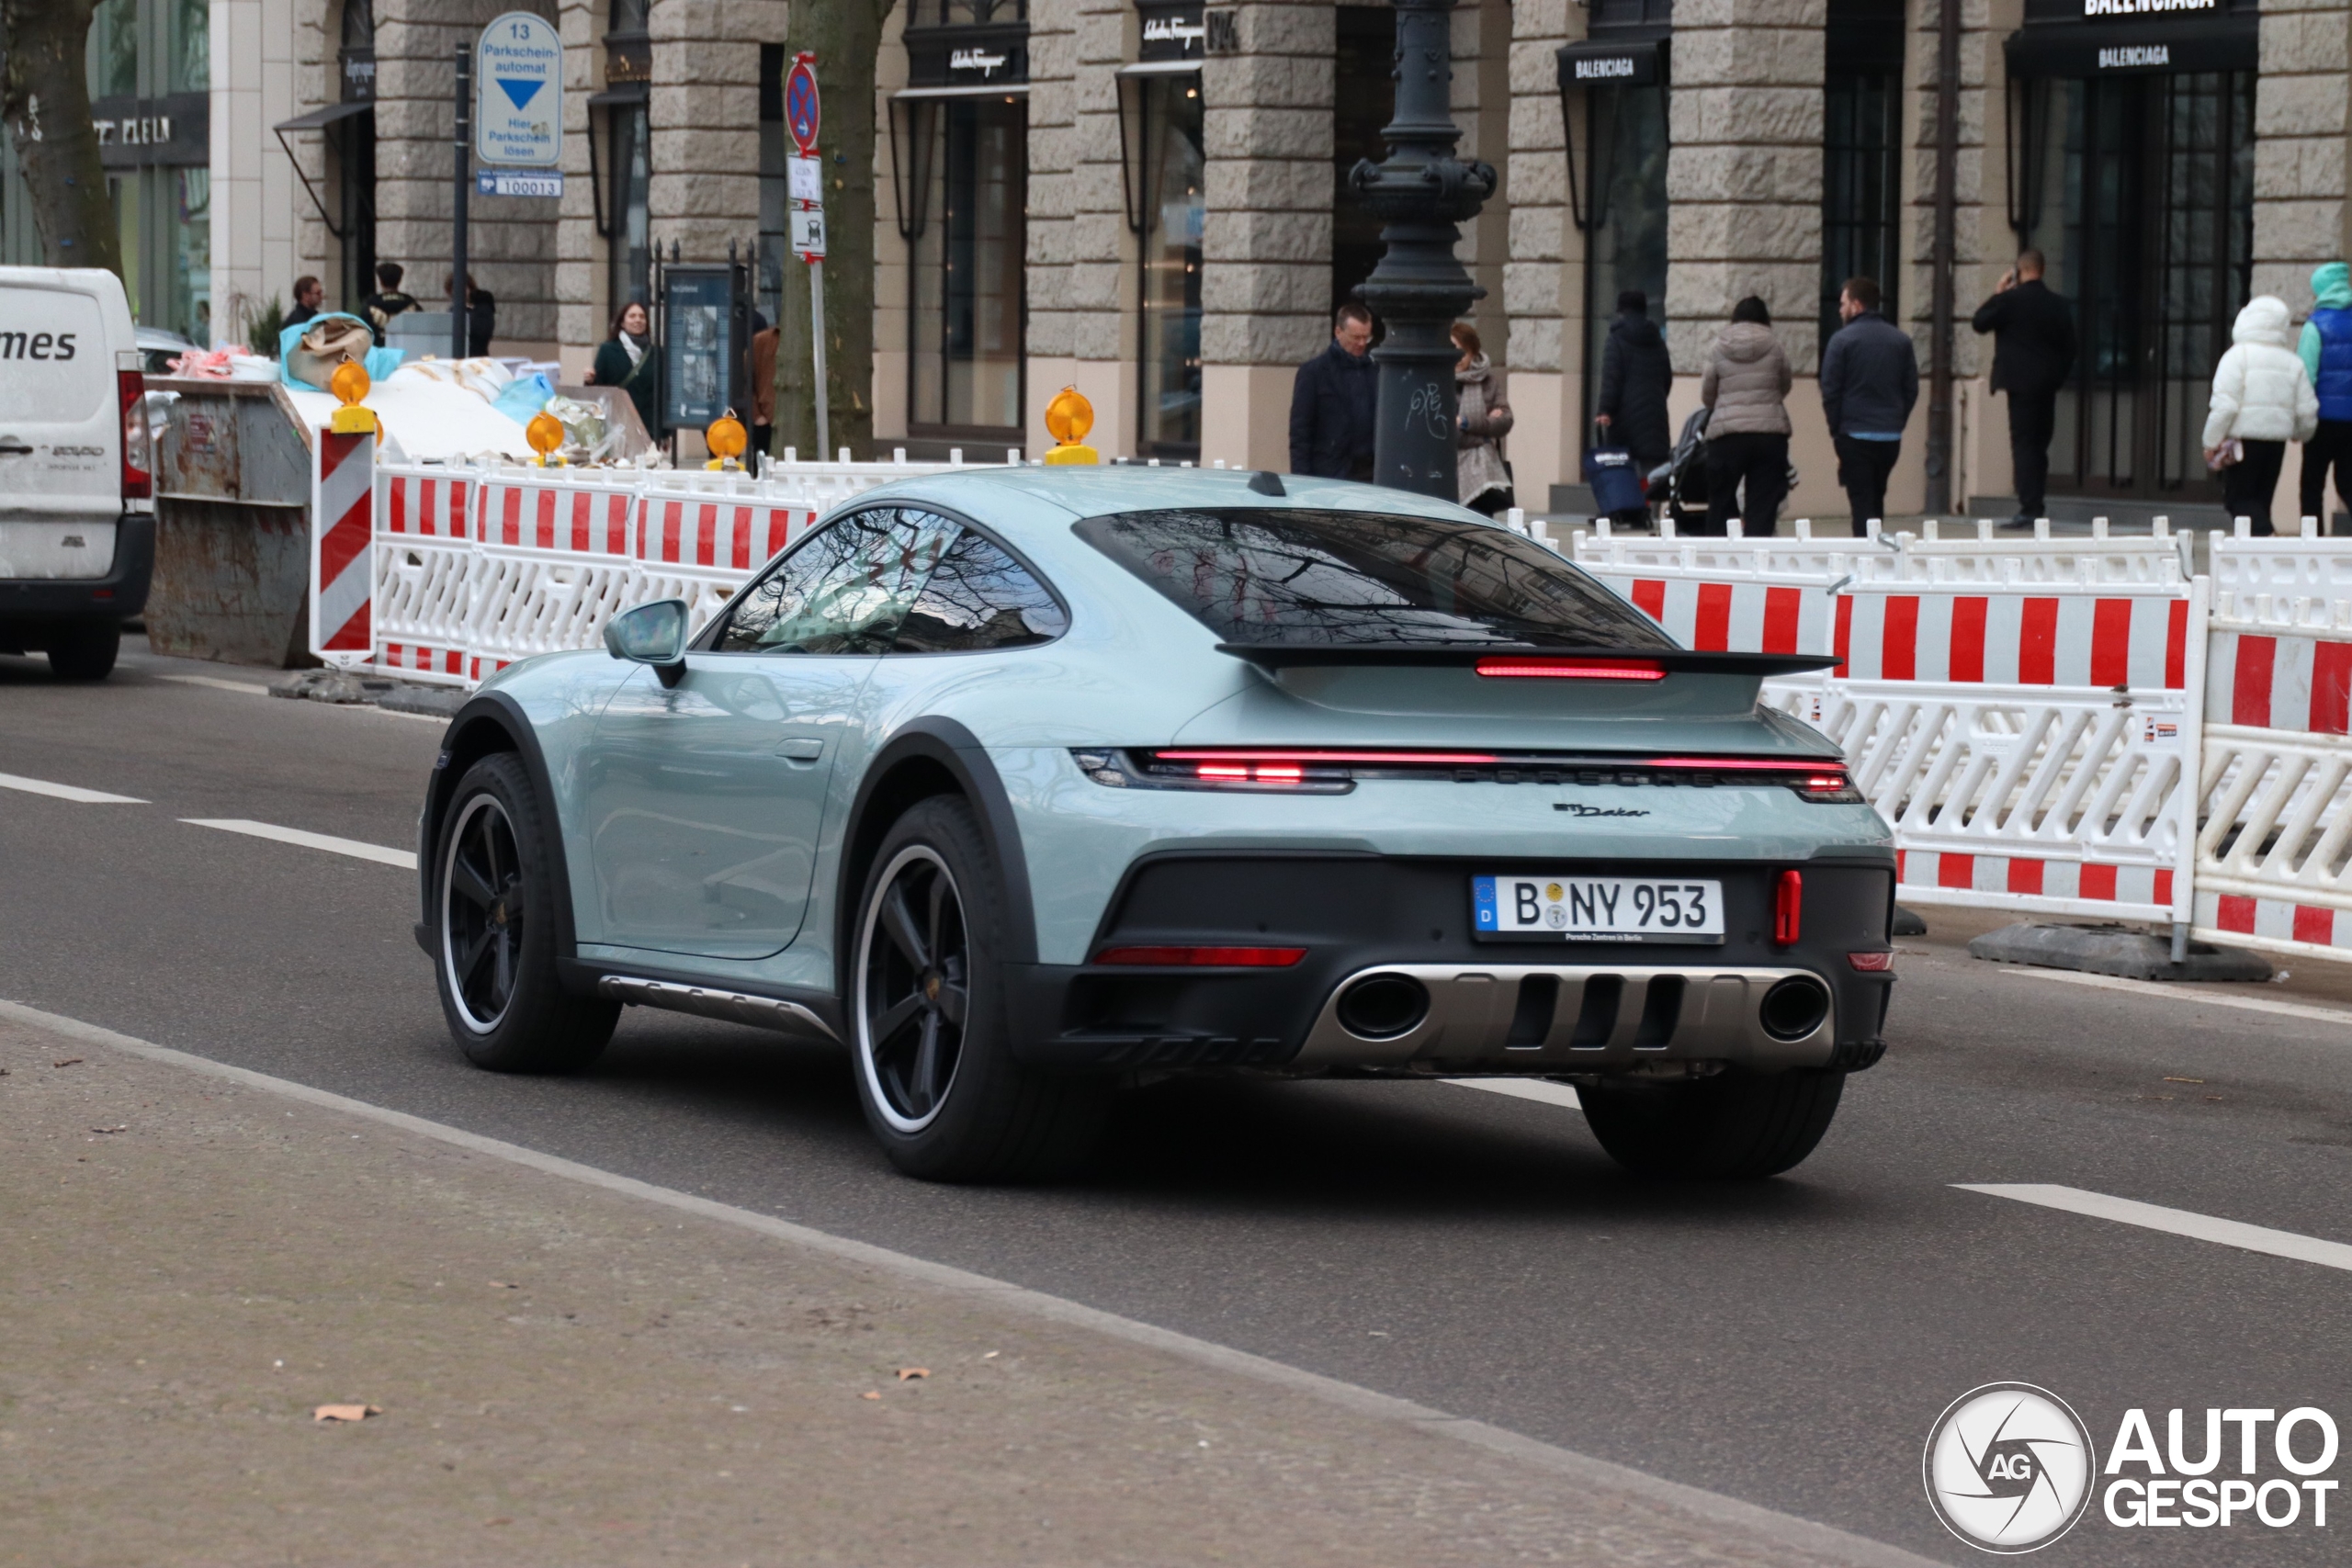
{"type": "Point", "coordinates": [929, 757]}
{"type": "Point", "coordinates": [490, 722]}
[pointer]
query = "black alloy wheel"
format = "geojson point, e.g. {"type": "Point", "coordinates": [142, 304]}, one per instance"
{"type": "Point", "coordinates": [494, 889]}
{"type": "Point", "coordinates": [483, 907]}
{"type": "Point", "coordinates": [917, 992]}
{"type": "Point", "coordinates": [933, 1055]}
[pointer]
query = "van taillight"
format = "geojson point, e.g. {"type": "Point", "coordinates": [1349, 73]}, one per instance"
{"type": "Point", "coordinates": [138, 455]}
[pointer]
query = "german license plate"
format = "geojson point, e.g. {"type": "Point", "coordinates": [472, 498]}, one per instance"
{"type": "Point", "coordinates": [1597, 908]}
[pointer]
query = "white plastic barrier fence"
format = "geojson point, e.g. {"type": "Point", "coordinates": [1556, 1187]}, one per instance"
{"type": "Point", "coordinates": [2276, 791]}
{"type": "Point", "coordinates": [421, 581]}
{"type": "Point", "coordinates": [1940, 552]}
{"type": "Point", "coordinates": [2029, 747]}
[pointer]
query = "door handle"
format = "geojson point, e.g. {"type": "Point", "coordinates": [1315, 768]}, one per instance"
{"type": "Point", "coordinates": [801, 749]}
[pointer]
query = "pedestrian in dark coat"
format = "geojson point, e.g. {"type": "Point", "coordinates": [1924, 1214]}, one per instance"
{"type": "Point", "coordinates": [481, 315]}
{"type": "Point", "coordinates": [1746, 390]}
{"type": "Point", "coordinates": [1870, 383]}
{"type": "Point", "coordinates": [2325, 348]}
{"type": "Point", "coordinates": [1334, 402]}
{"type": "Point", "coordinates": [626, 360]}
{"type": "Point", "coordinates": [388, 300]}
{"type": "Point", "coordinates": [308, 295]}
{"type": "Point", "coordinates": [2033, 353]}
{"type": "Point", "coordinates": [1636, 375]}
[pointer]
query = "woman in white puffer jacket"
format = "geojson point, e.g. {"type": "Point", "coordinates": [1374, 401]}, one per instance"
{"type": "Point", "coordinates": [2263, 398]}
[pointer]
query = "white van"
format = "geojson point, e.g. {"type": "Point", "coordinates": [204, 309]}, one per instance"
{"type": "Point", "coordinates": [78, 509]}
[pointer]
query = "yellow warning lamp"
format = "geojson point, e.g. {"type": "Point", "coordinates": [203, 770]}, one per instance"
{"type": "Point", "coordinates": [1067, 418]}
{"type": "Point", "coordinates": [349, 384]}
{"type": "Point", "coordinates": [545, 433]}
{"type": "Point", "coordinates": [726, 439]}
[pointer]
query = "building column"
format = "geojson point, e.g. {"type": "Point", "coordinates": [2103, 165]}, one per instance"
{"type": "Point", "coordinates": [584, 307]}
{"type": "Point", "coordinates": [1266, 255]}
{"type": "Point", "coordinates": [1984, 247]}
{"type": "Point", "coordinates": [1542, 272]}
{"type": "Point", "coordinates": [1744, 202]}
{"type": "Point", "coordinates": [1049, 331]}
{"type": "Point", "coordinates": [2300, 122]}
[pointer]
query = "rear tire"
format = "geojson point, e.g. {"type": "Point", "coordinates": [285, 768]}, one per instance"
{"type": "Point", "coordinates": [929, 1043]}
{"type": "Point", "coordinates": [1736, 1126]}
{"type": "Point", "coordinates": [86, 651]}
{"type": "Point", "coordinates": [494, 915]}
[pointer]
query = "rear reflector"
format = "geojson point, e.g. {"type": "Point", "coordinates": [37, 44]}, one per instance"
{"type": "Point", "coordinates": [1204, 957]}
{"type": "Point", "coordinates": [1872, 962]}
{"type": "Point", "coordinates": [1788, 909]}
{"type": "Point", "coordinates": [1574, 669]}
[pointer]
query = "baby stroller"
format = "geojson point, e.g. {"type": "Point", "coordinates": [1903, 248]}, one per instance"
{"type": "Point", "coordinates": [1681, 482]}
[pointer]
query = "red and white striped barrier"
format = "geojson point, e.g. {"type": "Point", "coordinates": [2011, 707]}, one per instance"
{"type": "Point", "coordinates": [424, 570]}
{"type": "Point", "coordinates": [342, 536]}
{"type": "Point", "coordinates": [2140, 640]}
{"type": "Point", "coordinates": [1760, 616]}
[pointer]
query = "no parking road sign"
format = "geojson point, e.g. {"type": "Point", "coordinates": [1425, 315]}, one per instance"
{"type": "Point", "coordinates": [802, 112]}
{"type": "Point", "coordinates": [518, 92]}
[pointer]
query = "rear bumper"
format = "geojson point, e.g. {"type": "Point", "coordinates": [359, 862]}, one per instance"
{"type": "Point", "coordinates": [26, 604]}
{"type": "Point", "coordinates": [1491, 1006]}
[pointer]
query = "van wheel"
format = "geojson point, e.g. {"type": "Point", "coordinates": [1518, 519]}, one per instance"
{"type": "Point", "coordinates": [493, 903]}
{"type": "Point", "coordinates": [86, 651]}
{"type": "Point", "coordinates": [1732, 1126]}
{"type": "Point", "coordinates": [930, 1047]}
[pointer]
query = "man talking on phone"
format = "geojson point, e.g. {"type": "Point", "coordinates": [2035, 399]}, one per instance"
{"type": "Point", "coordinates": [2033, 353]}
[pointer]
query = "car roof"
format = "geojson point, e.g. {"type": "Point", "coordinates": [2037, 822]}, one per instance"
{"type": "Point", "coordinates": [1025, 500]}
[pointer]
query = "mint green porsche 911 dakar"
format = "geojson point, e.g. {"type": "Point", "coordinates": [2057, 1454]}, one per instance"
{"type": "Point", "coordinates": [1027, 784]}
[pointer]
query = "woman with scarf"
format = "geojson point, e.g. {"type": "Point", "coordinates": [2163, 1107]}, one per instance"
{"type": "Point", "coordinates": [1483, 418]}
{"type": "Point", "coordinates": [626, 360]}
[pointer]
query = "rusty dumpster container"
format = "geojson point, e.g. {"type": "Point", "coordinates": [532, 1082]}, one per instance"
{"type": "Point", "coordinates": [232, 525]}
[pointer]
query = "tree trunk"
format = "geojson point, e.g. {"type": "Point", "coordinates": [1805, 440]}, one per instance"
{"type": "Point", "coordinates": [45, 100]}
{"type": "Point", "coordinates": [846, 37]}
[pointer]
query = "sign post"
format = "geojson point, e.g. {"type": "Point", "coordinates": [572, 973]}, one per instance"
{"type": "Point", "coordinates": [802, 115]}
{"type": "Point", "coordinates": [461, 317]}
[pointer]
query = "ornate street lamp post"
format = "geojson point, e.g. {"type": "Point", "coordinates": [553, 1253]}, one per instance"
{"type": "Point", "coordinates": [1423, 191]}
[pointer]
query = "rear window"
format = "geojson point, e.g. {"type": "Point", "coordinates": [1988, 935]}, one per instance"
{"type": "Point", "coordinates": [54, 368]}
{"type": "Point", "coordinates": [1295, 576]}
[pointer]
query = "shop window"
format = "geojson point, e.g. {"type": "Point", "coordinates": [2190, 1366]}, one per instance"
{"type": "Point", "coordinates": [1363, 102]}
{"type": "Point", "coordinates": [1174, 210]}
{"type": "Point", "coordinates": [965, 285]}
{"type": "Point", "coordinates": [1861, 152]}
{"type": "Point", "coordinates": [1624, 218]}
{"type": "Point", "coordinates": [150, 62]}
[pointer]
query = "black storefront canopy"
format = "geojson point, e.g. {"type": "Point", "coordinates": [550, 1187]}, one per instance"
{"type": "Point", "coordinates": [317, 118]}
{"type": "Point", "coordinates": [2135, 45]}
{"type": "Point", "coordinates": [1636, 63]}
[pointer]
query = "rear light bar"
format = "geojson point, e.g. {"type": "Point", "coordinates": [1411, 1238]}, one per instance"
{"type": "Point", "coordinates": [1203, 957]}
{"type": "Point", "coordinates": [137, 447]}
{"type": "Point", "coordinates": [1334, 771]}
{"type": "Point", "coordinates": [1573, 668]}
{"type": "Point", "coordinates": [1787, 908]}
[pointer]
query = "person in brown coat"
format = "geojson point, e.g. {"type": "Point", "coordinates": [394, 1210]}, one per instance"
{"type": "Point", "coordinates": [1481, 419]}
{"type": "Point", "coordinates": [1746, 390]}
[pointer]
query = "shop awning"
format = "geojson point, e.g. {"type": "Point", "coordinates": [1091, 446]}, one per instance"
{"type": "Point", "coordinates": [2135, 47]}
{"type": "Point", "coordinates": [317, 119]}
{"type": "Point", "coordinates": [626, 93]}
{"type": "Point", "coordinates": [968, 90]}
{"type": "Point", "coordinates": [1636, 62]}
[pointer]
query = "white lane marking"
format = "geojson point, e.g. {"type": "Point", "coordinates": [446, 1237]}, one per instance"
{"type": "Point", "coordinates": [68, 792]}
{"type": "Point", "coordinates": [2178, 1222]}
{"type": "Point", "coordinates": [1802, 1537]}
{"type": "Point", "coordinates": [250, 688]}
{"type": "Point", "coordinates": [2185, 990]}
{"type": "Point", "coordinates": [381, 855]}
{"type": "Point", "coordinates": [1560, 1094]}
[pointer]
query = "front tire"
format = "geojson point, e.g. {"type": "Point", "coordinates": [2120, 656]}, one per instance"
{"type": "Point", "coordinates": [493, 903]}
{"type": "Point", "coordinates": [929, 1042]}
{"type": "Point", "coordinates": [1738, 1126]}
{"type": "Point", "coordinates": [86, 651]}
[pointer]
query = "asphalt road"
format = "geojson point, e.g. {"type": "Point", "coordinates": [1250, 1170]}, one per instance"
{"type": "Point", "coordinates": [1789, 1342]}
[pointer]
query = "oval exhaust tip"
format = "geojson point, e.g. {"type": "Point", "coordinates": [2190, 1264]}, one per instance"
{"type": "Point", "coordinates": [1381, 1006]}
{"type": "Point", "coordinates": [1794, 1007]}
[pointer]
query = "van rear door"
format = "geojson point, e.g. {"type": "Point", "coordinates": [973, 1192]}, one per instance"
{"type": "Point", "coordinates": [61, 425]}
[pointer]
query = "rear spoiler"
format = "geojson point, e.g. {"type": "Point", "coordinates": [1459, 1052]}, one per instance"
{"type": "Point", "coordinates": [1605, 663]}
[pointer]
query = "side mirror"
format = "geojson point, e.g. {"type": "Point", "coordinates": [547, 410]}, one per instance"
{"type": "Point", "coordinates": [651, 634]}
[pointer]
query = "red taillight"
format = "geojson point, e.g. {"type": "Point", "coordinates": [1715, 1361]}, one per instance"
{"type": "Point", "coordinates": [1788, 909]}
{"type": "Point", "coordinates": [1365, 758]}
{"type": "Point", "coordinates": [1236, 772]}
{"type": "Point", "coordinates": [137, 462]}
{"type": "Point", "coordinates": [1575, 669]}
{"type": "Point", "coordinates": [1869, 962]}
{"type": "Point", "coordinates": [1204, 957]}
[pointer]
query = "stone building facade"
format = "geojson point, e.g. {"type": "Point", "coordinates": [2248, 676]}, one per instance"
{"type": "Point", "coordinates": [1146, 198]}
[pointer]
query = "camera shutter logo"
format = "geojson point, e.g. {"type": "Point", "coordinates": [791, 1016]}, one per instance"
{"type": "Point", "coordinates": [2008, 1467]}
